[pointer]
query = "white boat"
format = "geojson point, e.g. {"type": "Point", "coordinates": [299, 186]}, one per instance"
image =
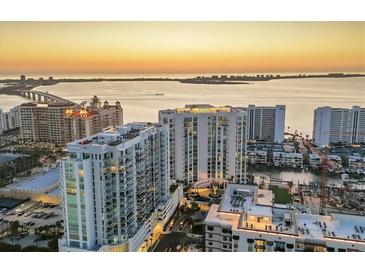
{"type": "Point", "coordinates": [345, 177]}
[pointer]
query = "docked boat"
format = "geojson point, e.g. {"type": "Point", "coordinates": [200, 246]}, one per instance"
{"type": "Point", "coordinates": [345, 177]}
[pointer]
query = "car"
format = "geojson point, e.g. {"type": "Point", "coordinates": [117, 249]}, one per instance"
{"type": "Point", "coordinates": [48, 215]}
{"type": "Point", "coordinates": [35, 215]}
{"type": "Point", "coordinates": [23, 234]}
{"type": "Point", "coordinates": [27, 214]}
{"type": "Point", "coordinates": [21, 213]}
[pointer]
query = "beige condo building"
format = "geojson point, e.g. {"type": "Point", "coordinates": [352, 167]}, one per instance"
{"type": "Point", "coordinates": [62, 122]}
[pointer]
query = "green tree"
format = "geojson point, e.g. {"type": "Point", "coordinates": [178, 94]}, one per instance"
{"type": "Point", "coordinates": [14, 228]}
{"type": "Point", "coordinates": [33, 248]}
{"type": "Point", "coordinates": [9, 248]}
{"type": "Point", "coordinates": [53, 244]}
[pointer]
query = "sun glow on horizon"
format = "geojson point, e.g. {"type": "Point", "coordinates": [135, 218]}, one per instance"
{"type": "Point", "coordinates": [181, 47]}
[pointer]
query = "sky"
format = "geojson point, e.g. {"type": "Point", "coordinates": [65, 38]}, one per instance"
{"type": "Point", "coordinates": [181, 47]}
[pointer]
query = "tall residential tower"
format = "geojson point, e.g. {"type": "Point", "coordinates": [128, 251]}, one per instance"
{"type": "Point", "coordinates": [333, 125]}
{"type": "Point", "coordinates": [266, 123]}
{"type": "Point", "coordinates": [61, 122]}
{"type": "Point", "coordinates": [112, 185]}
{"type": "Point", "coordinates": [86, 120]}
{"type": "Point", "coordinates": [206, 143]}
{"type": "Point", "coordinates": [9, 120]}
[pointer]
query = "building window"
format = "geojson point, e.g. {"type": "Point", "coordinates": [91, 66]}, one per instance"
{"type": "Point", "coordinates": [226, 231]}
{"type": "Point", "coordinates": [279, 246]}
{"type": "Point", "coordinates": [210, 228]}
{"type": "Point", "coordinates": [235, 237]}
{"type": "Point", "coordinates": [260, 245]}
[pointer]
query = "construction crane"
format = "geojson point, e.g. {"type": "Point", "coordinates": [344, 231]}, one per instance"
{"type": "Point", "coordinates": [324, 192]}
{"type": "Point", "coordinates": [323, 189]}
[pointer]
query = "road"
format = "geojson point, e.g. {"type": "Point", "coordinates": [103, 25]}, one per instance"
{"type": "Point", "coordinates": [170, 241]}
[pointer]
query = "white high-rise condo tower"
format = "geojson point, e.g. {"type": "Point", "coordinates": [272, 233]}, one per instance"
{"type": "Point", "coordinates": [113, 184]}
{"type": "Point", "coordinates": [333, 125]}
{"type": "Point", "coordinates": [266, 123]}
{"type": "Point", "coordinates": [206, 143]}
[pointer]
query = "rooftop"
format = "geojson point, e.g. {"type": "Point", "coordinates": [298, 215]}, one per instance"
{"type": "Point", "coordinates": [216, 216]}
{"type": "Point", "coordinates": [203, 109]}
{"type": "Point", "coordinates": [41, 182]}
{"type": "Point", "coordinates": [314, 156]}
{"type": "Point", "coordinates": [8, 157]}
{"type": "Point", "coordinates": [264, 197]}
{"type": "Point", "coordinates": [237, 198]}
{"type": "Point", "coordinates": [55, 192]}
{"type": "Point", "coordinates": [116, 136]}
{"type": "Point", "coordinates": [290, 154]}
{"type": "Point", "coordinates": [335, 225]}
{"type": "Point", "coordinates": [249, 208]}
{"type": "Point", "coordinates": [83, 113]}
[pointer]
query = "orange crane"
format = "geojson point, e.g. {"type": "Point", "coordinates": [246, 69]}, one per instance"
{"type": "Point", "coordinates": [324, 193]}
{"type": "Point", "coordinates": [324, 190]}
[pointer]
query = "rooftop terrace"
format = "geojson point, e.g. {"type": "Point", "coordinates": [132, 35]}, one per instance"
{"type": "Point", "coordinates": [116, 136]}
{"type": "Point", "coordinates": [237, 198]}
{"type": "Point", "coordinates": [249, 208]}
{"type": "Point", "coordinates": [202, 109]}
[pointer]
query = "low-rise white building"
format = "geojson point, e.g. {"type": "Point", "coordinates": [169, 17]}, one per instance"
{"type": "Point", "coordinates": [356, 162]}
{"type": "Point", "coordinates": [336, 160]}
{"type": "Point", "coordinates": [315, 160]}
{"type": "Point", "coordinates": [257, 157]}
{"type": "Point", "coordinates": [282, 159]}
{"type": "Point", "coordinates": [248, 220]}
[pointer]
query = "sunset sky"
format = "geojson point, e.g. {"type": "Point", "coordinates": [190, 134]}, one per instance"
{"type": "Point", "coordinates": [181, 47]}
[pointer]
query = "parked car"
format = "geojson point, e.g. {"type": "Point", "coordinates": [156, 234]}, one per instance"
{"type": "Point", "coordinates": [23, 234]}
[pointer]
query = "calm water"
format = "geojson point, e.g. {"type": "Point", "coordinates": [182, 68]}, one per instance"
{"type": "Point", "coordinates": [300, 96]}
{"type": "Point", "coordinates": [7, 101]}
{"type": "Point", "coordinates": [298, 176]}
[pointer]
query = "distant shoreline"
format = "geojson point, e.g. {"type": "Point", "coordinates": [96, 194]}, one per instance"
{"type": "Point", "coordinates": [213, 82]}
{"type": "Point", "coordinates": [29, 83]}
